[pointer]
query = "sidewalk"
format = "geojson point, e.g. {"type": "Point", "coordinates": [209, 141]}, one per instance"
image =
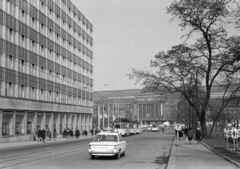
{"type": "Point", "coordinates": [29, 143]}
{"type": "Point", "coordinates": [197, 156]}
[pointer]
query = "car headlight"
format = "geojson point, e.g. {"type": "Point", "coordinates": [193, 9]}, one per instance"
{"type": "Point", "coordinates": [90, 147]}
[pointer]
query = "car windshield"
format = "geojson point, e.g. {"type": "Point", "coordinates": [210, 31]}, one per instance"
{"type": "Point", "coordinates": [105, 137]}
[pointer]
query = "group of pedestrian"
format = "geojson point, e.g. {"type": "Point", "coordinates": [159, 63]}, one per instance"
{"type": "Point", "coordinates": [42, 134]}
{"type": "Point", "coordinates": [189, 134]}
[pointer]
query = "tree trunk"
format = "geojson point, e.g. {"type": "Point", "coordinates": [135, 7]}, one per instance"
{"type": "Point", "coordinates": [203, 126]}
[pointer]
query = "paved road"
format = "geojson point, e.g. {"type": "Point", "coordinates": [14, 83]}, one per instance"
{"type": "Point", "coordinates": [145, 151]}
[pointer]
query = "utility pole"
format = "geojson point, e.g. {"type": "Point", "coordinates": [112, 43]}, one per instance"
{"type": "Point", "coordinates": [108, 115]}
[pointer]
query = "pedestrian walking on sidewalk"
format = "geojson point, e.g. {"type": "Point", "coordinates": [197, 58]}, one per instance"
{"type": "Point", "coordinates": [49, 134]}
{"type": "Point", "coordinates": [43, 133]}
{"type": "Point", "coordinates": [198, 135]}
{"type": "Point", "coordinates": [77, 133]}
{"type": "Point", "coordinates": [34, 134]}
{"type": "Point", "coordinates": [39, 135]}
{"type": "Point", "coordinates": [190, 135]}
{"type": "Point", "coordinates": [54, 134]}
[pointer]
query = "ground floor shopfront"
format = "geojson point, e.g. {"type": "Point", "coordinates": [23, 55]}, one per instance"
{"type": "Point", "coordinates": [18, 124]}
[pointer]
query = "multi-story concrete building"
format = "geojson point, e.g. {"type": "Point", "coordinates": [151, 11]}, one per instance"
{"type": "Point", "coordinates": [46, 68]}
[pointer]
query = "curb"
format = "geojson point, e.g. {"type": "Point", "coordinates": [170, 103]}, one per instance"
{"type": "Point", "coordinates": [172, 157]}
{"type": "Point", "coordinates": [225, 157]}
{"type": "Point", "coordinates": [40, 143]}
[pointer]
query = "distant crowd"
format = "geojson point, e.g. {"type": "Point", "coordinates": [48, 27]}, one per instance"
{"type": "Point", "coordinates": [188, 132]}
{"type": "Point", "coordinates": [42, 134]}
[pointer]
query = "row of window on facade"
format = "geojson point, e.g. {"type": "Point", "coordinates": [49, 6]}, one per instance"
{"type": "Point", "coordinates": [20, 65]}
{"type": "Point", "coordinates": [27, 126]}
{"type": "Point", "coordinates": [26, 92]}
{"type": "Point", "coordinates": [32, 22]}
{"type": "Point", "coordinates": [36, 25]}
{"type": "Point", "coordinates": [13, 37]}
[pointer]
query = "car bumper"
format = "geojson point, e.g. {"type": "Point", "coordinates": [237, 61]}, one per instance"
{"type": "Point", "coordinates": [102, 152]}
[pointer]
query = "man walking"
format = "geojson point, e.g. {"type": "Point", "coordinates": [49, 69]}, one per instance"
{"type": "Point", "coordinates": [198, 135]}
{"type": "Point", "coordinates": [43, 134]}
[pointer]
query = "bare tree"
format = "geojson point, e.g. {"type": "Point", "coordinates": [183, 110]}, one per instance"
{"type": "Point", "coordinates": [212, 55]}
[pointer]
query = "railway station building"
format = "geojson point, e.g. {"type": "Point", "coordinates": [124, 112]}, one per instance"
{"type": "Point", "coordinates": [137, 105]}
{"type": "Point", "coordinates": [46, 68]}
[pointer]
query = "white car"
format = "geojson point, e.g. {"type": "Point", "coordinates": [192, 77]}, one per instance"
{"type": "Point", "coordinates": [107, 144]}
{"type": "Point", "coordinates": [155, 128]}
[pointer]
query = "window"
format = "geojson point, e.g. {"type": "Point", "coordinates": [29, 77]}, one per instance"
{"type": "Point", "coordinates": [23, 16]}
{"type": "Point", "coordinates": [42, 95]}
{"type": "Point", "coordinates": [33, 46]}
{"type": "Point", "coordinates": [10, 62]}
{"type": "Point", "coordinates": [23, 41]}
{"type": "Point", "coordinates": [33, 93]}
{"type": "Point", "coordinates": [33, 23]}
{"type": "Point", "coordinates": [50, 96]}
{"type": "Point", "coordinates": [22, 91]}
{"type": "Point", "coordinates": [19, 128]}
{"type": "Point", "coordinates": [33, 69]}
{"type": "Point", "coordinates": [6, 119]}
{"type": "Point", "coordinates": [9, 89]}
{"type": "Point", "coordinates": [30, 117]}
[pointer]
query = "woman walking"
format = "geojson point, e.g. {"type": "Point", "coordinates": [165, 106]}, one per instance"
{"type": "Point", "coordinates": [190, 135]}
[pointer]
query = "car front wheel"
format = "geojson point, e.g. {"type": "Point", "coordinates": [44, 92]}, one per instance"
{"type": "Point", "coordinates": [92, 156]}
{"type": "Point", "coordinates": [118, 155]}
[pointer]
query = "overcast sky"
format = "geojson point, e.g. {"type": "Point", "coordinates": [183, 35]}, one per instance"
{"type": "Point", "coordinates": [126, 35]}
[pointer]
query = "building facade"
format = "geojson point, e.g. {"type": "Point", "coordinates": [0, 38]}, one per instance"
{"type": "Point", "coordinates": [46, 68]}
{"type": "Point", "coordinates": [137, 105]}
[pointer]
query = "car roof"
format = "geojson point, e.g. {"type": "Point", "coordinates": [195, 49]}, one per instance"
{"type": "Point", "coordinates": [108, 133]}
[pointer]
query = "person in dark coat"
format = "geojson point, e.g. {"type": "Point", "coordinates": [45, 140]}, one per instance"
{"type": "Point", "coordinates": [54, 134]}
{"type": "Point", "coordinates": [64, 133]}
{"type": "Point", "coordinates": [198, 135]}
{"type": "Point", "coordinates": [43, 133]}
{"type": "Point", "coordinates": [77, 133]}
{"type": "Point", "coordinates": [180, 134]}
{"type": "Point", "coordinates": [39, 134]}
{"type": "Point", "coordinates": [91, 132]}
{"type": "Point", "coordinates": [71, 133]}
{"type": "Point", "coordinates": [190, 135]}
{"type": "Point", "coordinates": [186, 131]}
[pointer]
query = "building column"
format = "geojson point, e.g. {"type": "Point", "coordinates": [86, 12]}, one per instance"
{"type": "Point", "coordinates": [43, 123]}
{"type": "Point", "coordinates": [58, 123]}
{"type": "Point", "coordinates": [87, 123]}
{"type": "Point", "coordinates": [64, 121]}
{"type": "Point", "coordinates": [70, 125]}
{"type": "Point", "coordinates": [74, 121]}
{"type": "Point", "coordinates": [1, 119]}
{"type": "Point", "coordinates": [24, 124]}
{"type": "Point", "coordinates": [34, 122]}
{"type": "Point", "coordinates": [90, 122]}
{"type": "Point", "coordinates": [83, 122]}
{"type": "Point", "coordinates": [13, 125]}
{"type": "Point", "coordinates": [51, 123]}
{"type": "Point", "coordinates": [79, 123]}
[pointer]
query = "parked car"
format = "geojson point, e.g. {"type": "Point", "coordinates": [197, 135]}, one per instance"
{"type": "Point", "coordinates": [107, 144]}
{"type": "Point", "coordinates": [155, 128]}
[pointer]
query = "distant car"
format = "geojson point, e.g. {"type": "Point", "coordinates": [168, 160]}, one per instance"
{"type": "Point", "coordinates": [149, 128]}
{"type": "Point", "coordinates": [107, 144]}
{"type": "Point", "coordinates": [155, 128]}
